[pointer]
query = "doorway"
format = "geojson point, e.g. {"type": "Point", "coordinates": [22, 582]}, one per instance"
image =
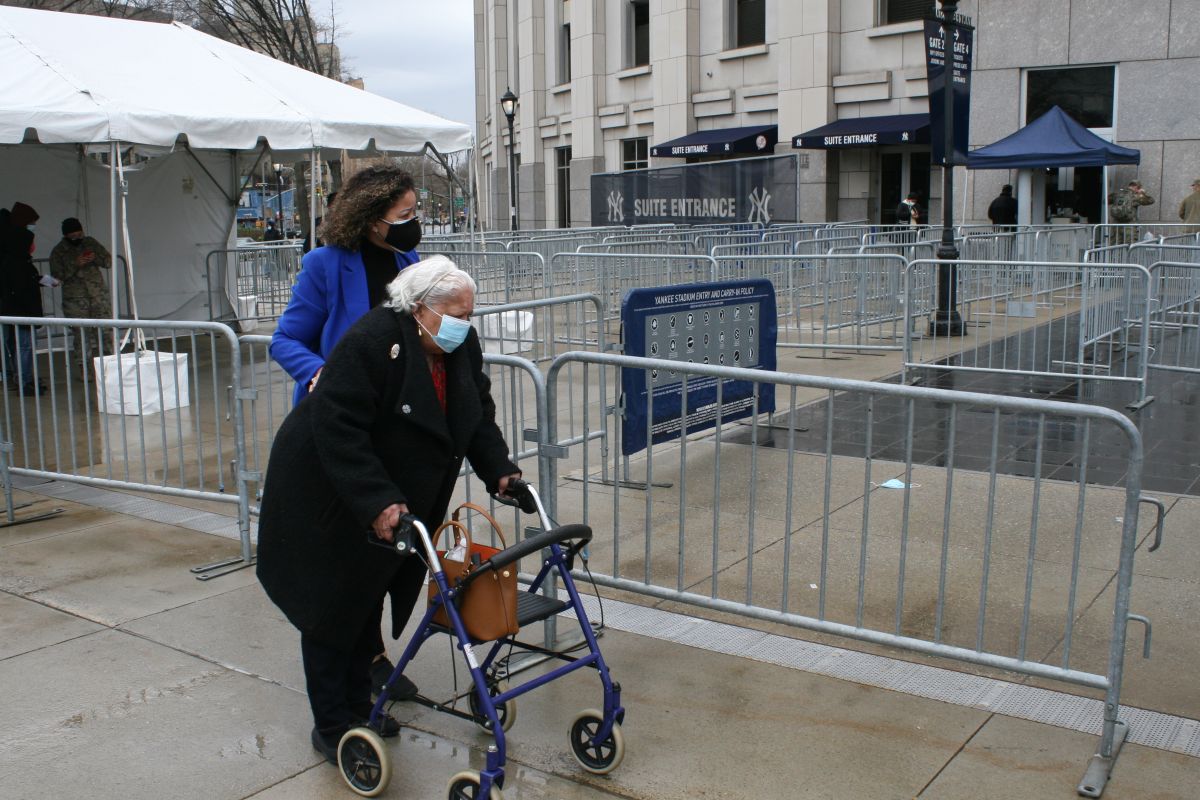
{"type": "Point", "coordinates": [1075, 194]}
{"type": "Point", "coordinates": [901, 172]}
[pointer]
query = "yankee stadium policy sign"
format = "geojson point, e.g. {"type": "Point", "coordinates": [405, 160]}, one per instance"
{"type": "Point", "coordinates": [730, 324]}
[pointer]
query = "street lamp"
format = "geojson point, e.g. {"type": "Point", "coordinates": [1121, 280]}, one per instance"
{"type": "Point", "coordinates": [946, 320]}
{"type": "Point", "coordinates": [279, 194]}
{"type": "Point", "coordinates": [508, 104]}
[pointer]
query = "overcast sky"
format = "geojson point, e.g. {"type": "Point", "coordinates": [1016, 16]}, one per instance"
{"type": "Point", "coordinates": [415, 52]}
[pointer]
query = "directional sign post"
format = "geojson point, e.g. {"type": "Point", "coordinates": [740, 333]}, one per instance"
{"type": "Point", "coordinates": [961, 43]}
{"type": "Point", "coordinates": [948, 38]}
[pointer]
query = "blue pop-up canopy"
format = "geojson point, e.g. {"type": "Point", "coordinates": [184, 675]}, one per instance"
{"type": "Point", "coordinates": [1051, 140]}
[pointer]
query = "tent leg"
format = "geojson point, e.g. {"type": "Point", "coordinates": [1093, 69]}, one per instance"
{"type": "Point", "coordinates": [314, 171]}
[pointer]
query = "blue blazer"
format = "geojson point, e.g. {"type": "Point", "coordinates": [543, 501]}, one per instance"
{"type": "Point", "coordinates": [329, 296]}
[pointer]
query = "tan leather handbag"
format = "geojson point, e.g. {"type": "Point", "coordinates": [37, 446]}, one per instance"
{"type": "Point", "coordinates": [489, 605]}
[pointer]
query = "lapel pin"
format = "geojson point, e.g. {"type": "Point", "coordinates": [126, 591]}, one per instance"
{"type": "Point", "coordinates": [395, 352]}
{"type": "Point", "coordinates": [406, 408]}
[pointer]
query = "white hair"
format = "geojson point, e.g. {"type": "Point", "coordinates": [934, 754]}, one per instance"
{"type": "Point", "coordinates": [431, 281]}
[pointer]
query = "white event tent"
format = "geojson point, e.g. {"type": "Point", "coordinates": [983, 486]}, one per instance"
{"type": "Point", "coordinates": [209, 112]}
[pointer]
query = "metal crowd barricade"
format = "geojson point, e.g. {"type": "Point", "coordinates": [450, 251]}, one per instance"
{"type": "Point", "coordinates": [1085, 322]}
{"type": "Point", "coordinates": [610, 275]}
{"type": "Point", "coordinates": [831, 302]}
{"type": "Point", "coordinates": [783, 518]}
{"type": "Point", "coordinates": [501, 276]}
{"type": "Point", "coordinates": [256, 282]}
{"type": "Point", "coordinates": [1176, 315]}
{"type": "Point", "coordinates": [153, 417]}
{"type": "Point", "coordinates": [1128, 233]}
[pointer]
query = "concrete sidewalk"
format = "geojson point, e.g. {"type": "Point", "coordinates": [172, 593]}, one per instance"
{"type": "Point", "coordinates": [125, 677]}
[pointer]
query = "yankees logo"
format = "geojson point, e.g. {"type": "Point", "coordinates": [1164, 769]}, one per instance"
{"type": "Point", "coordinates": [760, 206]}
{"type": "Point", "coordinates": [616, 210]}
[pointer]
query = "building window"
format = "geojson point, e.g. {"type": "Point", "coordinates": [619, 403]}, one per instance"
{"type": "Point", "coordinates": [1085, 93]}
{"type": "Point", "coordinates": [564, 54]}
{"type": "Point", "coordinates": [562, 174]}
{"type": "Point", "coordinates": [893, 11]}
{"type": "Point", "coordinates": [749, 22]}
{"type": "Point", "coordinates": [635, 153]}
{"type": "Point", "coordinates": [638, 26]}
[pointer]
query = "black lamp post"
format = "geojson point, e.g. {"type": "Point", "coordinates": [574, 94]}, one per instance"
{"type": "Point", "coordinates": [508, 104]}
{"type": "Point", "coordinates": [279, 194]}
{"type": "Point", "coordinates": [946, 320]}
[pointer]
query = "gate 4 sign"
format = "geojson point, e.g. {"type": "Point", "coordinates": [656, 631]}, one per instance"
{"type": "Point", "coordinates": [950, 41]}
{"type": "Point", "coordinates": [730, 324]}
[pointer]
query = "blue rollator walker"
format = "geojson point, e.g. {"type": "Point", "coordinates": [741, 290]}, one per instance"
{"type": "Point", "coordinates": [595, 736]}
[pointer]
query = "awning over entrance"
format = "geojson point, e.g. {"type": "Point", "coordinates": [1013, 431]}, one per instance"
{"type": "Point", "coordinates": [750, 139]}
{"type": "Point", "coordinates": [866, 132]}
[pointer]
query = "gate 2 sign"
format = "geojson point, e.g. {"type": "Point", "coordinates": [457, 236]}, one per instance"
{"type": "Point", "coordinates": [730, 324]}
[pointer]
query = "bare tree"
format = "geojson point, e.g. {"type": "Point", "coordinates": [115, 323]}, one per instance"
{"type": "Point", "coordinates": [283, 29]}
{"type": "Point", "coordinates": [146, 10]}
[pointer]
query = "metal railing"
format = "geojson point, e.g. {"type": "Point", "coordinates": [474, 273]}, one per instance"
{"type": "Point", "coordinates": [251, 283]}
{"type": "Point", "coordinates": [610, 275]}
{"type": "Point", "coordinates": [832, 302]}
{"type": "Point", "coordinates": [786, 517]}
{"type": "Point", "coordinates": [1176, 316]}
{"type": "Point", "coordinates": [501, 276]}
{"type": "Point", "coordinates": [151, 416]}
{"type": "Point", "coordinates": [1085, 322]}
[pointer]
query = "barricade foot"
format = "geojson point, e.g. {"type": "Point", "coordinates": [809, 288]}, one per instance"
{"type": "Point", "coordinates": [1100, 767]}
{"type": "Point", "coordinates": [1138, 405]}
{"type": "Point", "coordinates": [206, 572]}
{"type": "Point", "coordinates": [35, 518]}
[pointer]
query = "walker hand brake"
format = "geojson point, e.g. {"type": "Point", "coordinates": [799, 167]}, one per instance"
{"type": "Point", "coordinates": [518, 495]}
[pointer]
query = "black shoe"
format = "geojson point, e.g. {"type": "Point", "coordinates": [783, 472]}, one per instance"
{"type": "Point", "coordinates": [387, 727]}
{"type": "Point", "coordinates": [401, 689]}
{"type": "Point", "coordinates": [327, 744]}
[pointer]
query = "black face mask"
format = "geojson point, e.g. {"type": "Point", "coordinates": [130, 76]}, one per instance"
{"type": "Point", "coordinates": [404, 236]}
{"type": "Point", "coordinates": [75, 242]}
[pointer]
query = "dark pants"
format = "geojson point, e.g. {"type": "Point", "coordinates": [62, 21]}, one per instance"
{"type": "Point", "coordinates": [18, 347]}
{"type": "Point", "coordinates": [337, 679]}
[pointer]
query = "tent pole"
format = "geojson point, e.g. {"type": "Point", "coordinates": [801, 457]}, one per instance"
{"type": "Point", "coordinates": [114, 153]}
{"type": "Point", "coordinates": [314, 170]}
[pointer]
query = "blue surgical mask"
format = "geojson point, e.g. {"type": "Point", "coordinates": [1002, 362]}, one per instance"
{"type": "Point", "coordinates": [450, 334]}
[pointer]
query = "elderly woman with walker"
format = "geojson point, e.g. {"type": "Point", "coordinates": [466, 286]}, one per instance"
{"type": "Point", "coordinates": [402, 400]}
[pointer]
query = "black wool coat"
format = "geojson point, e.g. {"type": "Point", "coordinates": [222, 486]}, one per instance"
{"type": "Point", "coordinates": [371, 434]}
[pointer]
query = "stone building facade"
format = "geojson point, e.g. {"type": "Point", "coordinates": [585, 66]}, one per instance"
{"type": "Point", "coordinates": [600, 82]}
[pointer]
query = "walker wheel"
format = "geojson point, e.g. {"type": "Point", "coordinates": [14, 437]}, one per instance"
{"type": "Point", "coordinates": [363, 763]}
{"type": "Point", "coordinates": [597, 757]}
{"type": "Point", "coordinates": [465, 786]}
{"type": "Point", "coordinates": [507, 713]}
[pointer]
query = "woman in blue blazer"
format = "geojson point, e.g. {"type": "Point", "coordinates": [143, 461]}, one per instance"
{"type": "Point", "coordinates": [370, 234]}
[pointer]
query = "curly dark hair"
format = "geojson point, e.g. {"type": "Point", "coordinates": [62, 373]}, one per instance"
{"type": "Point", "coordinates": [362, 200]}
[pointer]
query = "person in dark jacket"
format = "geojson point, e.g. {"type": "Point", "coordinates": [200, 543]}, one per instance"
{"type": "Point", "coordinates": [20, 295]}
{"type": "Point", "coordinates": [403, 399]}
{"type": "Point", "coordinates": [1003, 210]}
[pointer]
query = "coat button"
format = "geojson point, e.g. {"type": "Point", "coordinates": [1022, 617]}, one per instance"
{"type": "Point", "coordinates": [395, 351]}
{"type": "Point", "coordinates": [406, 408]}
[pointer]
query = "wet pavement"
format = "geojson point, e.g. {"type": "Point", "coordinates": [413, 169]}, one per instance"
{"type": "Point", "coordinates": [1169, 425]}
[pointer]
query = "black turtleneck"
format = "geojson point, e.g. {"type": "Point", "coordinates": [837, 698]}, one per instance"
{"type": "Point", "coordinates": [381, 269]}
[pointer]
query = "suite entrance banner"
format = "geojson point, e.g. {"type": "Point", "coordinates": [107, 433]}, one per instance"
{"type": "Point", "coordinates": [731, 323]}
{"type": "Point", "coordinates": [960, 44]}
{"type": "Point", "coordinates": [755, 190]}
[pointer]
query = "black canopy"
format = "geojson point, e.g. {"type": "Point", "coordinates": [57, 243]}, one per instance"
{"type": "Point", "coordinates": [750, 139]}
{"type": "Point", "coordinates": [866, 132]}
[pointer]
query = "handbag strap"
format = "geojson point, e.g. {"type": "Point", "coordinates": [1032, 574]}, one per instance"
{"type": "Point", "coordinates": [459, 529]}
{"type": "Point", "coordinates": [483, 513]}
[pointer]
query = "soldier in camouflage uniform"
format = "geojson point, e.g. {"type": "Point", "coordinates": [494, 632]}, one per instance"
{"type": "Point", "coordinates": [77, 261]}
